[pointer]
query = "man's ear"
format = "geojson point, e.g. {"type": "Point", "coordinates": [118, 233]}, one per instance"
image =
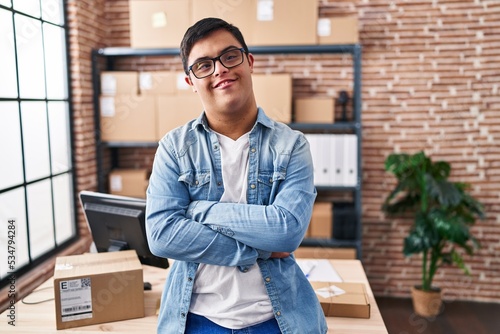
{"type": "Point", "coordinates": [189, 82]}
{"type": "Point", "coordinates": [250, 61]}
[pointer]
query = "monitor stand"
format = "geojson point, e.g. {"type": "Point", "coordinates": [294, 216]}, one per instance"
{"type": "Point", "coordinates": [116, 246]}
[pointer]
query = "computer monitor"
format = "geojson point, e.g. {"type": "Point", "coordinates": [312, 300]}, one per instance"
{"type": "Point", "coordinates": [118, 223]}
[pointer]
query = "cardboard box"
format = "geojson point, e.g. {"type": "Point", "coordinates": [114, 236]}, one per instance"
{"type": "Point", "coordinates": [273, 93]}
{"type": "Point", "coordinates": [265, 22]}
{"type": "Point", "coordinates": [338, 30]}
{"type": "Point", "coordinates": [129, 118]}
{"type": "Point", "coordinates": [129, 182]}
{"type": "Point", "coordinates": [158, 23]}
{"type": "Point", "coordinates": [285, 22]}
{"type": "Point", "coordinates": [157, 82]}
{"type": "Point", "coordinates": [314, 110]}
{"type": "Point", "coordinates": [181, 87]}
{"type": "Point", "coordinates": [325, 253]}
{"type": "Point", "coordinates": [343, 299]}
{"type": "Point", "coordinates": [119, 82]}
{"type": "Point", "coordinates": [98, 288]}
{"type": "Point", "coordinates": [241, 13]}
{"type": "Point", "coordinates": [321, 220]}
{"type": "Point", "coordinates": [174, 111]}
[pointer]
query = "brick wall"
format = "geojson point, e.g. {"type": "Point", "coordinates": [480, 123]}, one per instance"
{"type": "Point", "coordinates": [430, 81]}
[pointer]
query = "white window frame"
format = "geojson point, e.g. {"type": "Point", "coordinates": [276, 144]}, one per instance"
{"type": "Point", "coordinates": [19, 227]}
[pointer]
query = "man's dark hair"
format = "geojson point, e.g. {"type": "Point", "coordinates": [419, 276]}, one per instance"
{"type": "Point", "coordinates": [201, 29]}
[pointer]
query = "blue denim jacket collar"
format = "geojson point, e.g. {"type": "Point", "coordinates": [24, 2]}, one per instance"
{"type": "Point", "coordinates": [261, 119]}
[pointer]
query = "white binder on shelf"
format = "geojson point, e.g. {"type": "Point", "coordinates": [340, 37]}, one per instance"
{"type": "Point", "coordinates": [325, 168]}
{"type": "Point", "coordinates": [313, 145]}
{"type": "Point", "coordinates": [350, 160]}
{"type": "Point", "coordinates": [336, 160]}
{"type": "Point", "coordinates": [320, 150]}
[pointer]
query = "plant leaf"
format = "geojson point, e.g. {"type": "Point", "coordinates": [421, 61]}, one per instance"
{"type": "Point", "coordinates": [440, 170]}
{"type": "Point", "coordinates": [404, 204]}
{"type": "Point", "coordinates": [443, 192]}
{"type": "Point", "coordinates": [422, 237]}
{"type": "Point", "coordinates": [446, 258]}
{"type": "Point", "coordinates": [459, 262]}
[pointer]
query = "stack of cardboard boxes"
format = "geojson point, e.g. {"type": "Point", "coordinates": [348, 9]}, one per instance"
{"type": "Point", "coordinates": [176, 103]}
{"type": "Point", "coordinates": [141, 107]}
{"type": "Point", "coordinates": [125, 115]}
{"type": "Point", "coordinates": [162, 23]}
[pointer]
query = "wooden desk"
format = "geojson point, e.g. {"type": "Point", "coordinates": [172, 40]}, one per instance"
{"type": "Point", "coordinates": [40, 318]}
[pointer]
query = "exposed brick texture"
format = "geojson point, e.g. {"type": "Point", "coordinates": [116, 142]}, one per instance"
{"type": "Point", "coordinates": [430, 81]}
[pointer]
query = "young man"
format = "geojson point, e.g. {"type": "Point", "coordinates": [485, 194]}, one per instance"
{"type": "Point", "coordinates": [229, 199]}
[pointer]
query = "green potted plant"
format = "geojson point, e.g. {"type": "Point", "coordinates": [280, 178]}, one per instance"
{"type": "Point", "coordinates": [443, 212]}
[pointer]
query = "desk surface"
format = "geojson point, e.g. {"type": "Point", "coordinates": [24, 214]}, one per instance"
{"type": "Point", "coordinates": [40, 318]}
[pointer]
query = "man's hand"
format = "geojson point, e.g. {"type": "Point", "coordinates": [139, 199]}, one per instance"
{"type": "Point", "coordinates": [279, 255]}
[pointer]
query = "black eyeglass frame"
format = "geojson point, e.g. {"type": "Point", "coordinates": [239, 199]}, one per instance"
{"type": "Point", "coordinates": [243, 52]}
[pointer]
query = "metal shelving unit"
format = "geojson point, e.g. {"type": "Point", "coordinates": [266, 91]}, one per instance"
{"type": "Point", "coordinates": [109, 55]}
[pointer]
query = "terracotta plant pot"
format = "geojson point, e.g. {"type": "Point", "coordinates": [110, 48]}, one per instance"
{"type": "Point", "coordinates": [426, 303]}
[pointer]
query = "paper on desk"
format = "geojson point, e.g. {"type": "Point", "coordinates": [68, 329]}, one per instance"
{"type": "Point", "coordinates": [319, 270]}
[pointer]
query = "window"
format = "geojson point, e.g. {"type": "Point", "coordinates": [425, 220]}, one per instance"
{"type": "Point", "coordinates": [37, 209]}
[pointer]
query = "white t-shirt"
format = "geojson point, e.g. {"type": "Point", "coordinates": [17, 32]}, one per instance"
{"type": "Point", "coordinates": [225, 295]}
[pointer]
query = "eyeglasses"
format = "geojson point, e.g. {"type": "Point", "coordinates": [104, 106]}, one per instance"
{"type": "Point", "coordinates": [228, 59]}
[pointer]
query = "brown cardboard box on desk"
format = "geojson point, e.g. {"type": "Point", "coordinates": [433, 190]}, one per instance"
{"type": "Point", "coordinates": [343, 299]}
{"type": "Point", "coordinates": [97, 288]}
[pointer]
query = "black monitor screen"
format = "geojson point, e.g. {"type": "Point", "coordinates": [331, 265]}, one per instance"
{"type": "Point", "coordinates": [118, 223]}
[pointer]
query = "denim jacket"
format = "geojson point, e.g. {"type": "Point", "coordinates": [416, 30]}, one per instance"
{"type": "Point", "coordinates": [185, 221]}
